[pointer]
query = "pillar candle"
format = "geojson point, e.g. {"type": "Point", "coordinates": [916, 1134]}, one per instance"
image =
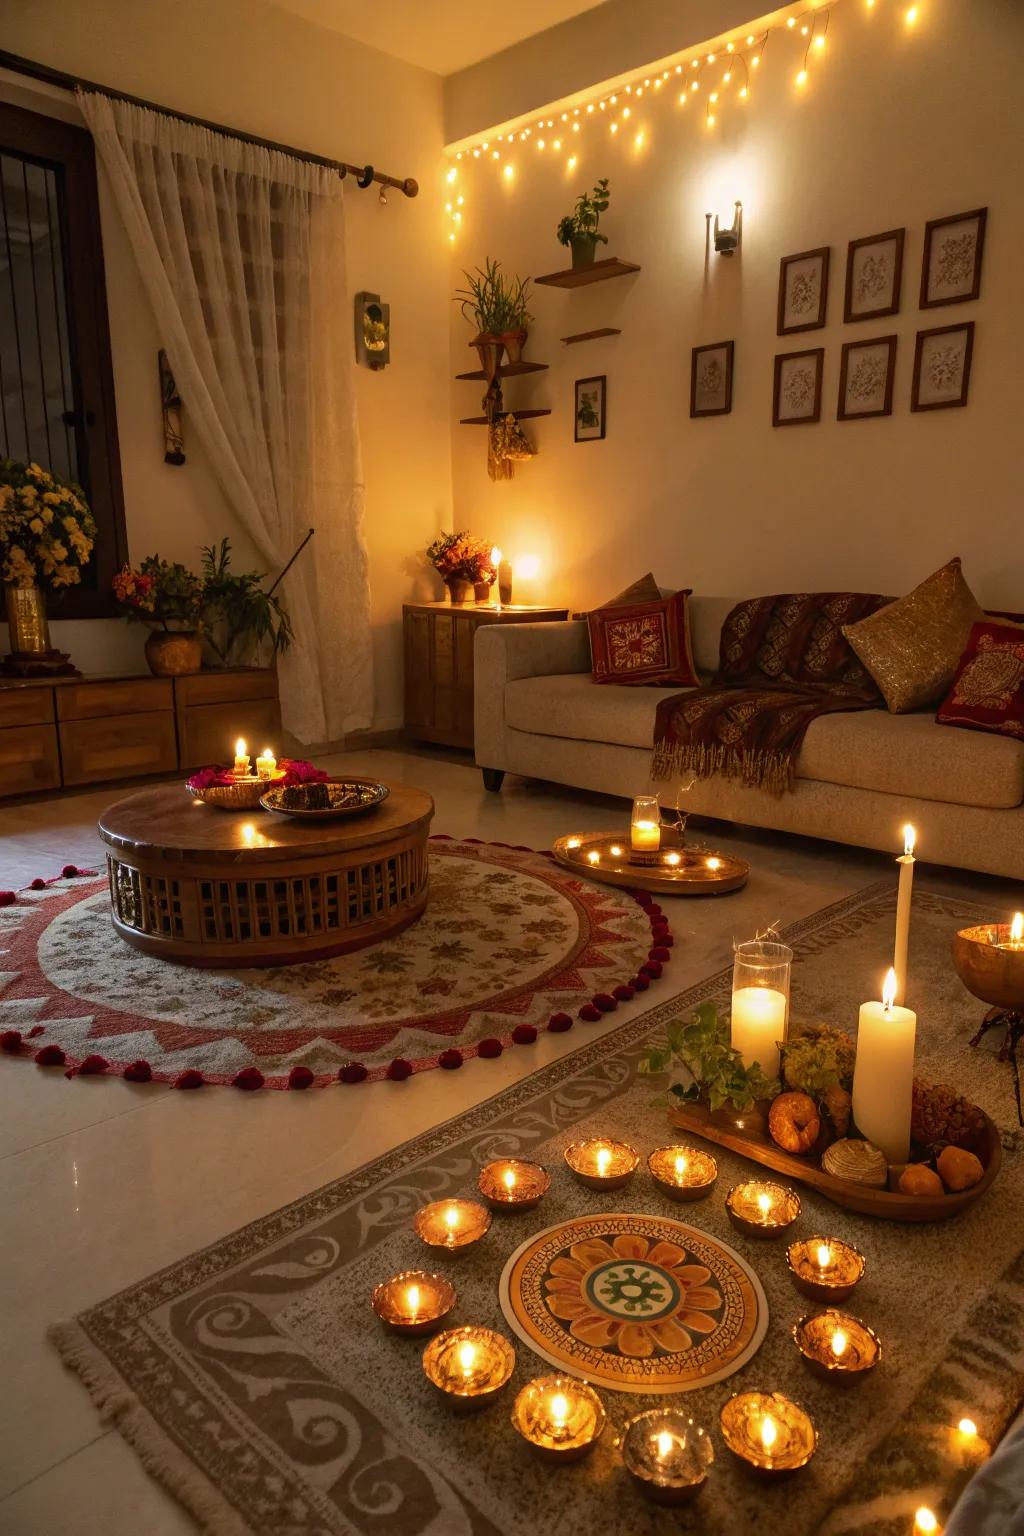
{"type": "Point", "coordinates": [241, 767]}
{"type": "Point", "coordinates": [758, 1023]}
{"type": "Point", "coordinates": [883, 1077]}
{"type": "Point", "coordinates": [903, 902]}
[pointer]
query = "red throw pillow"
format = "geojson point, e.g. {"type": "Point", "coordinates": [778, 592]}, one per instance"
{"type": "Point", "coordinates": [640, 644]}
{"type": "Point", "coordinates": [988, 690]}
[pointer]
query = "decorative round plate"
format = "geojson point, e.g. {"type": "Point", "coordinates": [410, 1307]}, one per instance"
{"type": "Point", "coordinates": [679, 869]}
{"type": "Point", "coordinates": [347, 797]}
{"type": "Point", "coordinates": [635, 1303]}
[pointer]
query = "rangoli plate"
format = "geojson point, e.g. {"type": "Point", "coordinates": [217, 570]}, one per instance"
{"type": "Point", "coordinates": [635, 1303]}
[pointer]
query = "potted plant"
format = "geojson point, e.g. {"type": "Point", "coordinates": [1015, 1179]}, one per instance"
{"type": "Point", "coordinates": [497, 306]}
{"type": "Point", "coordinates": [238, 617]}
{"type": "Point", "coordinates": [47, 535]}
{"type": "Point", "coordinates": [578, 229]}
{"type": "Point", "coordinates": [462, 562]}
{"type": "Point", "coordinates": [167, 598]}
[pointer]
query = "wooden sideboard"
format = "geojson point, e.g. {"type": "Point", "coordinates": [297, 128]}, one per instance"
{"type": "Point", "coordinates": [439, 665]}
{"type": "Point", "coordinates": [69, 732]}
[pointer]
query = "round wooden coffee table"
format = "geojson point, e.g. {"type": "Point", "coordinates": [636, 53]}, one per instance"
{"type": "Point", "coordinates": [204, 886]}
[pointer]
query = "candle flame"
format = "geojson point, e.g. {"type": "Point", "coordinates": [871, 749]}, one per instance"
{"type": "Point", "coordinates": [925, 1521]}
{"type": "Point", "coordinates": [593, 857]}
{"type": "Point", "coordinates": [412, 1298]}
{"type": "Point", "coordinates": [672, 859]}
{"type": "Point", "coordinates": [824, 1255]}
{"type": "Point", "coordinates": [889, 990]}
{"type": "Point", "coordinates": [840, 1339]}
{"type": "Point", "coordinates": [764, 1202]}
{"type": "Point", "coordinates": [559, 1410]}
{"type": "Point", "coordinates": [967, 1427]}
{"type": "Point", "coordinates": [615, 851]}
{"type": "Point", "coordinates": [909, 839]}
{"type": "Point", "coordinates": [664, 1440]}
{"type": "Point", "coordinates": [573, 842]}
{"type": "Point", "coordinates": [451, 1216]}
{"type": "Point", "coordinates": [467, 1357]}
{"type": "Point", "coordinates": [713, 863]}
{"type": "Point", "coordinates": [680, 1165]}
{"type": "Point", "coordinates": [604, 1157]}
{"type": "Point", "coordinates": [769, 1432]}
{"type": "Point", "coordinates": [509, 1177]}
{"type": "Point", "coordinates": [266, 752]}
{"type": "Point", "coordinates": [495, 556]}
{"type": "Point", "coordinates": [1017, 928]}
{"type": "Point", "coordinates": [240, 750]}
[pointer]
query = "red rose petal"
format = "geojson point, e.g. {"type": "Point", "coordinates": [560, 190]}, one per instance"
{"type": "Point", "coordinates": [590, 1013]}
{"type": "Point", "coordinates": [352, 1072]}
{"type": "Point", "coordinates": [604, 1002]}
{"type": "Point", "coordinates": [70, 871]}
{"type": "Point", "coordinates": [624, 993]}
{"type": "Point", "coordinates": [450, 1060]}
{"type": "Point", "coordinates": [300, 1077]}
{"type": "Point", "coordinates": [659, 952]}
{"type": "Point", "coordinates": [559, 1023]}
{"type": "Point", "coordinates": [489, 1048]}
{"type": "Point", "coordinates": [139, 1072]}
{"type": "Point", "coordinates": [640, 983]}
{"type": "Point", "coordinates": [524, 1034]}
{"type": "Point", "coordinates": [651, 969]}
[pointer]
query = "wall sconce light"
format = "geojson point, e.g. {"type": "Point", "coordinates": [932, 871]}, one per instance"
{"type": "Point", "coordinates": [728, 240]}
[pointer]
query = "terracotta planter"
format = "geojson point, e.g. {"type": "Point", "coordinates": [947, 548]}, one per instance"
{"type": "Point", "coordinates": [583, 248]}
{"type": "Point", "coordinates": [174, 653]}
{"type": "Point", "coordinates": [489, 349]}
{"type": "Point", "coordinates": [514, 342]}
{"type": "Point", "coordinates": [459, 591]}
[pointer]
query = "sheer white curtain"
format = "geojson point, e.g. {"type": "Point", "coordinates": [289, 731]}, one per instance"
{"type": "Point", "coordinates": [242, 253]}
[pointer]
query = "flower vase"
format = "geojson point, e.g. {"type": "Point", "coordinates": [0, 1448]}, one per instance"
{"type": "Point", "coordinates": [459, 591]}
{"type": "Point", "coordinates": [31, 653]}
{"type": "Point", "coordinates": [482, 591]}
{"type": "Point", "coordinates": [173, 653]}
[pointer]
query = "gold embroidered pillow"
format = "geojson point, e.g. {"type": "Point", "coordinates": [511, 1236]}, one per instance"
{"type": "Point", "coordinates": [643, 643]}
{"type": "Point", "coordinates": [912, 647]}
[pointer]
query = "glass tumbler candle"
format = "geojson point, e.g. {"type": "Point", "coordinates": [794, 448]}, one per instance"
{"type": "Point", "coordinates": [645, 830]}
{"type": "Point", "coordinates": [760, 1001]}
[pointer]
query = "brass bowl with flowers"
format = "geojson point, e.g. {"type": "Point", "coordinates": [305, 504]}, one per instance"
{"type": "Point", "coordinates": [989, 960]}
{"type": "Point", "coordinates": [241, 795]}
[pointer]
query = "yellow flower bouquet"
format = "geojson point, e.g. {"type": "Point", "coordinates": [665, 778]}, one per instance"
{"type": "Point", "coordinates": [47, 532]}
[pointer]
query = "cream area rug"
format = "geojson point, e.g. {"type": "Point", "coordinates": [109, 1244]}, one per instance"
{"type": "Point", "coordinates": [253, 1381]}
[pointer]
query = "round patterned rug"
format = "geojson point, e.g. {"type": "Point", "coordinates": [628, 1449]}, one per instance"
{"type": "Point", "coordinates": [635, 1303]}
{"type": "Point", "coordinates": [509, 944]}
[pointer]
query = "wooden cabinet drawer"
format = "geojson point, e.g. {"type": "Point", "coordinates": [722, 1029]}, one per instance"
{"type": "Point", "coordinates": [207, 732]}
{"type": "Point", "coordinates": [28, 759]}
{"type": "Point", "coordinates": [131, 696]}
{"type": "Point", "coordinates": [118, 747]}
{"type": "Point", "coordinates": [225, 687]}
{"type": "Point", "coordinates": [26, 706]}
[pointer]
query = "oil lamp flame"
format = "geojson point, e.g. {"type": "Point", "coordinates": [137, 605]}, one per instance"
{"type": "Point", "coordinates": [1017, 928]}
{"type": "Point", "coordinates": [664, 1443]}
{"type": "Point", "coordinates": [824, 1255]}
{"type": "Point", "coordinates": [769, 1432]}
{"type": "Point", "coordinates": [839, 1342]}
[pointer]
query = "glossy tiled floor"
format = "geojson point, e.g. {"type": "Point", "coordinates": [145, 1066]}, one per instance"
{"type": "Point", "coordinates": [102, 1182]}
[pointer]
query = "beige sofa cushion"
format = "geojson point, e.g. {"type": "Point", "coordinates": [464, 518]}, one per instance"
{"type": "Point", "coordinates": [896, 754]}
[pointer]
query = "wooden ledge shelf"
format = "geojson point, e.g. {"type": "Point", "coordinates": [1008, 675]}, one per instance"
{"type": "Point", "coordinates": [604, 330]}
{"type": "Point", "coordinates": [481, 421]}
{"type": "Point", "coordinates": [596, 272]}
{"type": "Point", "coordinates": [506, 371]}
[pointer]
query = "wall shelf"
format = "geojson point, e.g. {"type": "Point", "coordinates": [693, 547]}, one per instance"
{"type": "Point", "coordinates": [506, 371]}
{"type": "Point", "coordinates": [596, 272]}
{"type": "Point", "coordinates": [605, 330]}
{"type": "Point", "coordinates": [481, 421]}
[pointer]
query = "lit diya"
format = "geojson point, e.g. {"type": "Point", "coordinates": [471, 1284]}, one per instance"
{"type": "Point", "coordinates": [667, 1455]}
{"type": "Point", "coordinates": [511, 1185]}
{"type": "Point", "coordinates": [760, 1208]}
{"type": "Point", "coordinates": [451, 1224]}
{"type": "Point", "coordinates": [825, 1268]}
{"type": "Point", "coordinates": [602, 1164]}
{"type": "Point", "coordinates": [560, 1418]}
{"type": "Point", "coordinates": [684, 1173]}
{"type": "Point", "coordinates": [837, 1346]}
{"type": "Point", "coordinates": [413, 1302]}
{"type": "Point", "coordinates": [469, 1366]}
{"type": "Point", "coordinates": [768, 1432]}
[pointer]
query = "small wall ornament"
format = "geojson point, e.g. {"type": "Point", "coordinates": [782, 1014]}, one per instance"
{"type": "Point", "coordinates": [170, 404]}
{"type": "Point", "coordinates": [803, 291]}
{"type": "Point", "coordinates": [373, 331]}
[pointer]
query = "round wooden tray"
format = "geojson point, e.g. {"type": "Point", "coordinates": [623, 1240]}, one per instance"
{"type": "Point", "coordinates": [371, 793]}
{"type": "Point", "coordinates": [700, 871]}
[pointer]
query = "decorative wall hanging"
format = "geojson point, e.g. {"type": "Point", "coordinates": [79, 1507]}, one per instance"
{"type": "Point", "coordinates": [373, 331]}
{"type": "Point", "coordinates": [507, 445]}
{"type": "Point", "coordinates": [951, 269]}
{"type": "Point", "coordinates": [803, 291]}
{"type": "Point", "coordinates": [590, 412]}
{"type": "Point", "coordinates": [942, 367]}
{"type": "Point", "coordinates": [711, 379]}
{"type": "Point", "coordinates": [874, 268]}
{"type": "Point", "coordinates": [170, 405]}
{"type": "Point", "coordinates": [797, 396]}
{"type": "Point", "coordinates": [865, 378]}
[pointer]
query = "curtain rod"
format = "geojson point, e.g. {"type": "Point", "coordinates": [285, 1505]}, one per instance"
{"type": "Point", "coordinates": [364, 174]}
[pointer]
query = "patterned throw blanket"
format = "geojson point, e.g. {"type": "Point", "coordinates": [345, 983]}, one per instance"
{"type": "Point", "coordinates": [783, 661]}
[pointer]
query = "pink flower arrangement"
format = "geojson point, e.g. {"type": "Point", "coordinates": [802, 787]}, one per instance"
{"type": "Point", "coordinates": [295, 769]}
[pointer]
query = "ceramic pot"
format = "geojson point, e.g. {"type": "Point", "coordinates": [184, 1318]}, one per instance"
{"type": "Point", "coordinates": [26, 621]}
{"type": "Point", "coordinates": [514, 342]}
{"type": "Point", "coordinates": [173, 653]}
{"type": "Point", "coordinates": [459, 591]}
{"type": "Point", "coordinates": [583, 248]}
{"type": "Point", "coordinates": [482, 591]}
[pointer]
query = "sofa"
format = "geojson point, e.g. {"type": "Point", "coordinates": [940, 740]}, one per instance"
{"type": "Point", "coordinates": [860, 776]}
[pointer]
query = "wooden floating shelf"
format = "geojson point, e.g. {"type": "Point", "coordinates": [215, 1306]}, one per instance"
{"type": "Point", "coordinates": [596, 272]}
{"type": "Point", "coordinates": [605, 330]}
{"type": "Point", "coordinates": [506, 371]}
{"type": "Point", "coordinates": [481, 421]}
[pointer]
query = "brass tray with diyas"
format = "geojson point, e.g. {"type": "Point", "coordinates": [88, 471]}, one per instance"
{"type": "Point", "coordinates": [681, 870]}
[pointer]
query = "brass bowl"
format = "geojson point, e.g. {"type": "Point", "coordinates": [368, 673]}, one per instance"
{"type": "Point", "coordinates": [992, 973]}
{"type": "Point", "coordinates": [243, 795]}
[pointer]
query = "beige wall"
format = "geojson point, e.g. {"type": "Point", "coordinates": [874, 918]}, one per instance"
{"type": "Point", "coordinates": [250, 65]}
{"type": "Point", "coordinates": [896, 127]}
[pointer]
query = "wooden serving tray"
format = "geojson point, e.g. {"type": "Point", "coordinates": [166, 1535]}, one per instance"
{"type": "Point", "coordinates": [753, 1141]}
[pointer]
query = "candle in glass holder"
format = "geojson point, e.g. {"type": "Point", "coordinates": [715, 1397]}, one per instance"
{"type": "Point", "coordinates": [684, 1173]}
{"type": "Point", "coordinates": [469, 1366]}
{"type": "Point", "coordinates": [645, 826]}
{"type": "Point", "coordinates": [602, 1164]}
{"type": "Point", "coordinates": [825, 1268]}
{"type": "Point", "coordinates": [768, 1432]}
{"type": "Point", "coordinates": [667, 1455]}
{"type": "Point", "coordinates": [561, 1418]}
{"type": "Point", "coordinates": [837, 1346]}
{"type": "Point", "coordinates": [451, 1224]}
{"type": "Point", "coordinates": [760, 1208]}
{"type": "Point", "coordinates": [413, 1302]}
{"type": "Point", "coordinates": [266, 763]}
{"type": "Point", "coordinates": [241, 765]}
{"type": "Point", "coordinates": [510, 1185]}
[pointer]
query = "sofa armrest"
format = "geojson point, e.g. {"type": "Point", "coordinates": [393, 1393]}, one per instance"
{"type": "Point", "coordinates": [504, 652]}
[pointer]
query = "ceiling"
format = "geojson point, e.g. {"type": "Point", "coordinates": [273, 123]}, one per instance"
{"type": "Point", "coordinates": [442, 35]}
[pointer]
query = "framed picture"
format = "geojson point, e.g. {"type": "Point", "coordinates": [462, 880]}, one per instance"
{"type": "Point", "coordinates": [797, 396]}
{"type": "Point", "coordinates": [591, 408]}
{"type": "Point", "coordinates": [951, 269]}
{"type": "Point", "coordinates": [711, 379]}
{"type": "Point", "coordinates": [874, 268]}
{"type": "Point", "coordinates": [942, 367]}
{"type": "Point", "coordinates": [803, 291]}
{"type": "Point", "coordinates": [865, 378]}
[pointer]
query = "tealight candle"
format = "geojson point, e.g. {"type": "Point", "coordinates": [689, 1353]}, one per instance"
{"type": "Point", "coordinates": [825, 1268]}
{"type": "Point", "coordinates": [768, 1432]}
{"type": "Point", "coordinates": [413, 1301]}
{"type": "Point", "coordinates": [762, 1209]}
{"type": "Point", "coordinates": [451, 1224]}
{"type": "Point", "coordinates": [593, 857]}
{"type": "Point", "coordinates": [511, 1185]}
{"type": "Point", "coordinates": [837, 1346]}
{"type": "Point", "coordinates": [241, 765]}
{"type": "Point", "coordinates": [602, 1164]}
{"type": "Point", "coordinates": [615, 851]}
{"type": "Point", "coordinates": [266, 764]}
{"type": "Point", "coordinates": [469, 1366]}
{"type": "Point", "coordinates": [667, 1455]}
{"type": "Point", "coordinates": [562, 1419]}
{"type": "Point", "coordinates": [684, 1173]}
{"type": "Point", "coordinates": [673, 859]}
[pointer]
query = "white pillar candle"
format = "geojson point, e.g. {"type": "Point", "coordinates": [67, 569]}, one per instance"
{"type": "Point", "coordinates": [758, 1024]}
{"type": "Point", "coordinates": [883, 1077]}
{"type": "Point", "coordinates": [903, 902]}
